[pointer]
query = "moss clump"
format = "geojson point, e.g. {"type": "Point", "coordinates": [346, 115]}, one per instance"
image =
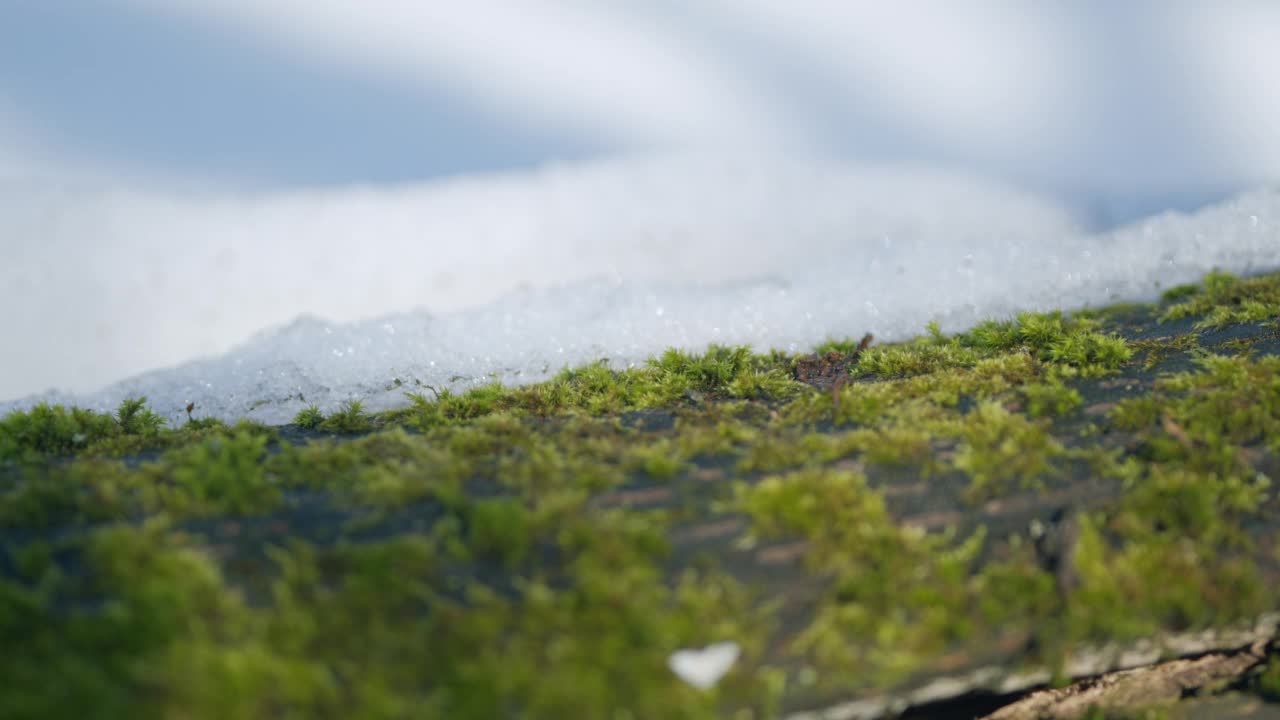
{"type": "Point", "coordinates": [1072, 342]}
{"type": "Point", "coordinates": [371, 628]}
{"type": "Point", "coordinates": [349, 419]}
{"type": "Point", "coordinates": [88, 491]}
{"type": "Point", "coordinates": [135, 418]}
{"type": "Point", "coordinates": [223, 475]}
{"type": "Point", "coordinates": [918, 358]}
{"type": "Point", "coordinates": [1157, 350]}
{"type": "Point", "coordinates": [999, 447]}
{"type": "Point", "coordinates": [163, 602]}
{"type": "Point", "coordinates": [53, 430]}
{"type": "Point", "coordinates": [224, 470]}
{"type": "Point", "coordinates": [673, 379]}
{"type": "Point", "coordinates": [899, 596]}
{"type": "Point", "coordinates": [928, 396]}
{"type": "Point", "coordinates": [859, 525]}
{"type": "Point", "coordinates": [732, 372]}
{"type": "Point", "coordinates": [1050, 398]}
{"type": "Point", "coordinates": [309, 418]}
{"type": "Point", "coordinates": [1184, 560]}
{"type": "Point", "coordinates": [660, 460]}
{"type": "Point", "coordinates": [1205, 416]}
{"type": "Point", "coordinates": [1223, 299]}
{"type": "Point", "coordinates": [1269, 681]}
{"type": "Point", "coordinates": [1159, 579]}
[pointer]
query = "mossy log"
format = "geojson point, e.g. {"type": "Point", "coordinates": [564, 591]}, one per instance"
{"type": "Point", "coordinates": [938, 525]}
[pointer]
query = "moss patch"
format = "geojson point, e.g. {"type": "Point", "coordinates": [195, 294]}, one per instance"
{"type": "Point", "coordinates": [1223, 299]}
{"type": "Point", "coordinates": [861, 520]}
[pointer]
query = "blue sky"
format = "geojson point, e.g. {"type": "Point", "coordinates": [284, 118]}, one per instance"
{"type": "Point", "coordinates": [124, 85]}
{"type": "Point", "coordinates": [1104, 99]}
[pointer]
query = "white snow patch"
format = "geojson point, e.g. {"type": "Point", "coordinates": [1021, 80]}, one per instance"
{"type": "Point", "coordinates": [525, 274]}
{"type": "Point", "coordinates": [703, 667]}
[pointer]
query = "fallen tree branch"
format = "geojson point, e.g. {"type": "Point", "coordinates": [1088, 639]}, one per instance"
{"type": "Point", "coordinates": [1161, 684]}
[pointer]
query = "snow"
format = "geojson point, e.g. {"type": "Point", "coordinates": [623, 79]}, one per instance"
{"type": "Point", "coordinates": [703, 667]}
{"type": "Point", "coordinates": [341, 293]}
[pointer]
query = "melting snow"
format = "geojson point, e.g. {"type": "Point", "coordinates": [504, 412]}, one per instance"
{"type": "Point", "coordinates": [703, 668]}
{"type": "Point", "coordinates": [561, 267]}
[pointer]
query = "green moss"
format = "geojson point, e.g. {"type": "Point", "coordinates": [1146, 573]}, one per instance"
{"type": "Point", "coordinates": [919, 397]}
{"type": "Point", "coordinates": [223, 474]}
{"type": "Point", "coordinates": [164, 602]}
{"type": "Point", "coordinates": [53, 430]}
{"type": "Point", "coordinates": [660, 460]}
{"type": "Point", "coordinates": [195, 425]}
{"type": "Point", "coordinates": [388, 636]}
{"type": "Point", "coordinates": [541, 551]}
{"type": "Point", "coordinates": [309, 417]}
{"type": "Point", "coordinates": [1156, 580]}
{"type": "Point", "coordinates": [389, 466]}
{"type": "Point", "coordinates": [894, 445]}
{"type": "Point", "coordinates": [1050, 398]}
{"type": "Point", "coordinates": [1073, 341]}
{"type": "Point", "coordinates": [1159, 349]}
{"type": "Point", "coordinates": [999, 447]}
{"type": "Point", "coordinates": [1204, 416]}
{"type": "Point", "coordinates": [1179, 293]}
{"type": "Point", "coordinates": [674, 378]}
{"type": "Point", "coordinates": [48, 432]}
{"type": "Point", "coordinates": [91, 490]}
{"type": "Point", "coordinates": [135, 418]}
{"type": "Point", "coordinates": [1223, 299]}
{"type": "Point", "coordinates": [840, 346]}
{"type": "Point", "coordinates": [818, 504]}
{"type": "Point", "coordinates": [918, 358]}
{"type": "Point", "coordinates": [498, 529]}
{"type": "Point", "coordinates": [779, 451]}
{"type": "Point", "coordinates": [349, 419]}
{"type": "Point", "coordinates": [1269, 680]}
{"type": "Point", "coordinates": [1070, 341]}
{"type": "Point", "coordinates": [899, 596]}
{"type": "Point", "coordinates": [1179, 502]}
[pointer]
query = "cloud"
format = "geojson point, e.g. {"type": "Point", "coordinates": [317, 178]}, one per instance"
{"type": "Point", "coordinates": [1143, 96]}
{"type": "Point", "coordinates": [985, 78]}
{"type": "Point", "coordinates": [598, 68]}
{"type": "Point", "coordinates": [1117, 97]}
{"type": "Point", "coordinates": [1232, 59]}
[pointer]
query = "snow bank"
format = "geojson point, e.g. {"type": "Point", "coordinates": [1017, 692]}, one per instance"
{"type": "Point", "coordinates": [517, 276]}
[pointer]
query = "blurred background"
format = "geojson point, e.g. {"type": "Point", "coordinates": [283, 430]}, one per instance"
{"type": "Point", "coordinates": [178, 174]}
